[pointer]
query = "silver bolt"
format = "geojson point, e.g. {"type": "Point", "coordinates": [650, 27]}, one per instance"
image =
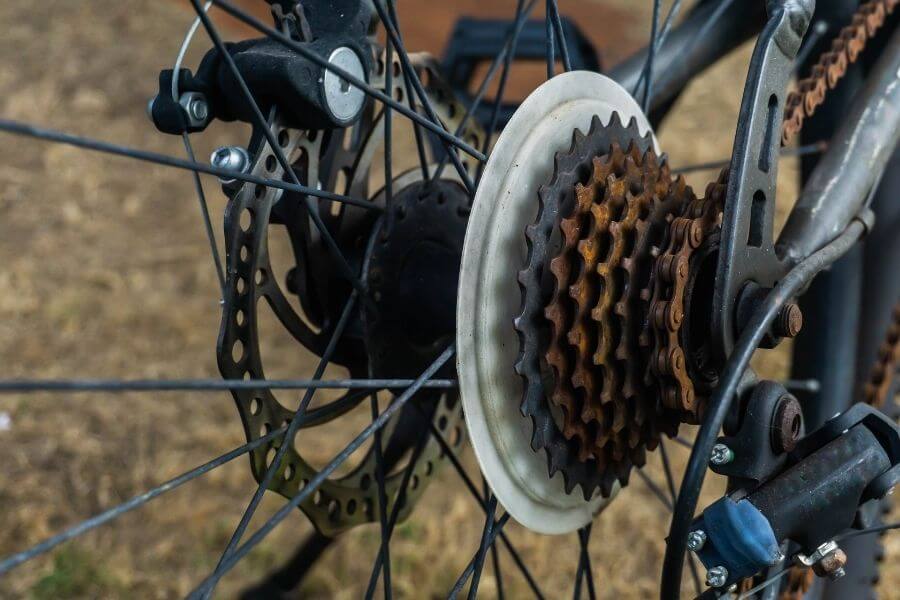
{"type": "Point", "coordinates": [343, 100]}
{"type": "Point", "coordinates": [696, 539]}
{"type": "Point", "coordinates": [716, 577]}
{"type": "Point", "coordinates": [199, 109]}
{"type": "Point", "coordinates": [232, 158]}
{"type": "Point", "coordinates": [721, 455]}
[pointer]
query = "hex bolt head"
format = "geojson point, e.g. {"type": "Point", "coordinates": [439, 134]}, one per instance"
{"type": "Point", "coordinates": [696, 539]}
{"type": "Point", "coordinates": [199, 109]}
{"type": "Point", "coordinates": [721, 455]}
{"type": "Point", "coordinates": [717, 576]}
{"type": "Point", "coordinates": [342, 99]}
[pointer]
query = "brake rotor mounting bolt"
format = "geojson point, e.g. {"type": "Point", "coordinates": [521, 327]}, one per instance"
{"type": "Point", "coordinates": [230, 158]}
{"type": "Point", "coordinates": [716, 577]}
{"type": "Point", "coordinates": [721, 455]}
{"type": "Point", "coordinates": [789, 321]}
{"type": "Point", "coordinates": [696, 539]}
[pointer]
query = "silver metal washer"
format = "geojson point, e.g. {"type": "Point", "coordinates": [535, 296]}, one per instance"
{"type": "Point", "coordinates": [344, 100]}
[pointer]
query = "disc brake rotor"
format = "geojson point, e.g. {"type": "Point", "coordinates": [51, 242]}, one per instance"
{"type": "Point", "coordinates": [340, 160]}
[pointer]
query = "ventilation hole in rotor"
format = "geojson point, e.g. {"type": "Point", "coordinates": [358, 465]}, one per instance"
{"type": "Point", "coordinates": [334, 510]}
{"type": "Point", "coordinates": [365, 481]}
{"type": "Point", "coordinates": [270, 456]}
{"type": "Point", "coordinates": [259, 191]}
{"type": "Point", "coordinates": [429, 468]}
{"type": "Point", "coordinates": [442, 423]}
{"type": "Point", "coordinates": [237, 351]}
{"type": "Point", "coordinates": [245, 252]}
{"type": "Point", "coordinates": [260, 276]}
{"type": "Point", "coordinates": [351, 506]}
{"type": "Point", "coordinates": [239, 318]}
{"type": "Point", "coordinates": [451, 111]}
{"type": "Point", "coordinates": [318, 498]}
{"type": "Point", "coordinates": [312, 134]}
{"type": "Point", "coordinates": [303, 483]}
{"type": "Point", "coordinates": [414, 482]}
{"type": "Point", "coordinates": [283, 138]}
{"type": "Point", "coordinates": [271, 163]}
{"type": "Point", "coordinates": [255, 406]}
{"type": "Point", "coordinates": [396, 69]}
{"type": "Point", "coordinates": [239, 285]}
{"type": "Point", "coordinates": [246, 219]}
{"type": "Point", "coordinates": [265, 429]}
{"type": "Point", "coordinates": [369, 507]}
{"type": "Point", "coordinates": [288, 472]}
{"type": "Point", "coordinates": [456, 437]}
{"type": "Point", "coordinates": [379, 66]}
{"type": "Point", "coordinates": [398, 95]}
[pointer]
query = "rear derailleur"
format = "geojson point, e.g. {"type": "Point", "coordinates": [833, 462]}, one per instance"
{"type": "Point", "coordinates": [792, 492]}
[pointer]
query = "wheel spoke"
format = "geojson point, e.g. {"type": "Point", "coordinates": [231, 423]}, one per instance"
{"type": "Point", "coordinates": [15, 560]}
{"type": "Point", "coordinates": [204, 213]}
{"type": "Point", "coordinates": [486, 540]}
{"type": "Point", "coordinates": [349, 78]}
{"type": "Point", "coordinates": [86, 143]}
{"type": "Point", "coordinates": [651, 53]}
{"type": "Point", "coordinates": [410, 77]}
{"type": "Point", "coordinates": [667, 25]}
{"type": "Point", "coordinates": [508, 50]}
{"type": "Point", "coordinates": [30, 386]}
{"type": "Point", "coordinates": [553, 11]}
{"type": "Point", "coordinates": [550, 42]}
{"type": "Point", "coordinates": [673, 495]}
{"type": "Point", "coordinates": [384, 549]}
{"type": "Point", "coordinates": [584, 572]}
{"type": "Point", "coordinates": [495, 529]}
{"type": "Point", "coordinates": [657, 491]}
{"type": "Point", "coordinates": [209, 583]}
{"type": "Point", "coordinates": [460, 470]}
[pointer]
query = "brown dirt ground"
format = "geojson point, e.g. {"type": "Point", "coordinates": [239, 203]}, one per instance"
{"type": "Point", "coordinates": [106, 273]}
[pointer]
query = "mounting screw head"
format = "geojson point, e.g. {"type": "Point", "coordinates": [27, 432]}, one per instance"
{"type": "Point", "coordinates": [721, 455]}
{"type": "Point", "coordinates": [717, 576]}
{"type": "Point", "coordinates": [232, 158]}
{"type": "Point", "coordinates": [196, 108]}
{"type": "Point", "coordinates": [696, 539]}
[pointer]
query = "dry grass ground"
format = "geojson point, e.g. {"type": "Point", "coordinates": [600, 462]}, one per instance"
{"type": "Point", "coordinates": [105, 272]}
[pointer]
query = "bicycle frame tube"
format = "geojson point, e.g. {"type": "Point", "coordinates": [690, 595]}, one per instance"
{"type": "Point", "coordinates": [857, 154]}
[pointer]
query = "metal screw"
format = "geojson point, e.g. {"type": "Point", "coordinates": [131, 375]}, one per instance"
{"type": "Point", "coordinates": [840, 572]}
{"type": "Point", "coordinates": [696, 539]}
{"type": "Point", "coordinates": [232, 158]}
{"type": "Point", "coordinates": [721, 455]}
{"type": "Point", "coordinates": [717, 576]}
{"type": "Point", "coordinates": [199, 109]}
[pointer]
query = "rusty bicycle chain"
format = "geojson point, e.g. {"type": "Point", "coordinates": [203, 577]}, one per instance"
{"type": "Point", "coordinates": [832, 65]}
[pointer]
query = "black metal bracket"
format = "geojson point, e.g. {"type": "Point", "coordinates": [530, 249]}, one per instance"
{"type": "Point", "coordinates": [275, 75]}
{"type": "Point", "coordinates": [747, 250]}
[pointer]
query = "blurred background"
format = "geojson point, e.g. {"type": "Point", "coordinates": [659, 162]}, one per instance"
{"type": "Point", "coordinates": [106, 272]}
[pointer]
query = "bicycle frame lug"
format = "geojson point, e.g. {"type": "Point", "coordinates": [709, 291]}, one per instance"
{"type": "Point", "coordinates": [747, 248]}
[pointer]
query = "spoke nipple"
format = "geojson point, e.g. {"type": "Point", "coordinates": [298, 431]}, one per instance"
{"type": "Point", "coordinates": [717, 576]}
{"type": "Point", "coordinates": [696, 539]}
{"type": "Point", "coordinates": [721, 455]}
